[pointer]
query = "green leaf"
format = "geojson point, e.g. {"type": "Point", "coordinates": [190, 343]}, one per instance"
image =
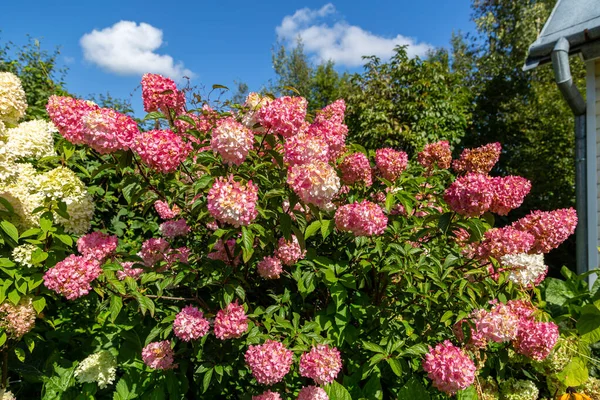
{"type": "Point", "coordinates": [312, 229]}
{"type": "Point", "coordinates": [39, 303]}
{"type": "Point", "coordinates": [116, 303]}
{"type": "Point", "coordinates": [413, 390]}
{"type": "Point", "coordinates": [122, 391]}
{"type": "Point", "coordinates": [395, 365]}
{"type": "Point", "coordinates": [327, 226]}
{"type": "Point", "coordinates": [10, 230]}
{"type": "Point", "coordinates": [14, 296]}
{"type": "Point", "coordinates": [46, 222]}
{"type": "Point", "coordinates": [154, 115]}
{"type": "Point", "coordinates": [469, 393]}
{"type": "Point", "coordinates": [20, 353]}
{"type": "Point", "coordinates": [2, 338]}
{"type": "Point", "coordinates": [335, 391]}
{"type": "Point", "coordinates": [206, 380]}
{"type": "Point", "coordinates": [574, 374]}
{"type": "Point", "coordinates": [588, 324]}
{"type": "Point", "coordinates": [373, 347]}
{"type": "Point", "coordinates": [217, 86]}
{"type": "Point", "coordinates": [66, 239]}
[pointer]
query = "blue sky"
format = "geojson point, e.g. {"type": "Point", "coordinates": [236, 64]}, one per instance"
{"type": "Point", "coordinates": [107, 45]}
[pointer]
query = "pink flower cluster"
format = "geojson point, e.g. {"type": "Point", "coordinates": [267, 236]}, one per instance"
{"type": "Point", "coordinates": [473, 194]}
{"type": "Point", "coordinates": [289, 251]}
{"type": "Point", "coordinates": [536, 339]}
{"type": "Point", "coordinates": [106, 130]}
{"type": "Point", "coordinates": [174, 228]}
{"type": "Point", "coordinates": [329, 126]}
{"type": "Point", "coordinates": [164, 211]}
{"type": "Point", "coordinates": [219, 252]}
{"type": "Point", "coordinates": [304, 148]}
{"type": "Point", "coordinates": [312, 393]}
{"type": "Point", "coordinates": [97, 245]}
{"type": "Point", "coordinates": [190, 324]}
{"type": "Point", "coordinates": [321, 364]}
{"type": "Point", "coordinates": [268, 395]}
{"type": "Point", "coordinates": [449, 368]}
{"type": "Point", "coordinates": [356, 169]}
{"type": "Point", "coordinates": [391, 163]}
{"type": "Point", "coordinates": [231, 322]}
{"type": "Point", "coordinates": [17, 320]}
{"type": "Point", "coordinates": [284, 115]}
{"type": "Point", "coordinates": [362, 219]}
{"type": "Point", "coordinates": [128, 270]}
{"type": "Point", "coordinates": [499, 325]}
{"type": "Point", "coordinates": [161, 94]}
{"type": "Point", "coordinates": [269, 362]}
{"type": "Point", "coordinates": [549, 228]}
{"type": "Point", "coordinates": [72, 276]}
{"type": "Point", "coordinates": [232, 202]}
{"type": "Point", "coordinates": [498, 242]}
{"type": "Point", "coordinates": [436, 154]}
{"type": "Point", "coordinates": [231, 140]}
{"type": "Point", "coordinates": [153, 251]}
{"type": "Point", "coordinates": [270, 267]}
{"type": "Point", "coordinates": [480, 160]}
{"type": "Point", "coordinates": [315, 183]}
{"type": "Point", "coordinates": [158, 355]}
{"type": "Point", "coordinates": [67, 114]}
{"type": "Point", "coordinates": [204, 122]}
{"type": "Point", "coordinates": [161, 150]}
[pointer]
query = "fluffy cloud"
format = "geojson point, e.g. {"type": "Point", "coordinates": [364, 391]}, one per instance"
{"type": "Point", "coordinates": [127, 48]}
{"type": "Point", "coordinates": [341, 42]}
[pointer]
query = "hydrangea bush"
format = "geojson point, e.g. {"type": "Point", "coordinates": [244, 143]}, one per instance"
{"type": "Point", "coordinates": [252, 253]}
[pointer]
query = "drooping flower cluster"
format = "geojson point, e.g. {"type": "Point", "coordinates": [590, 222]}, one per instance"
{"type": "Point", "coordinates": [164, 211]}
{"type": "Point", "coordinates": [129, 271]}
{"type": "Point", "coordinates": [106, 130]}
{"type": "Point", "coordinates": [31, 139]}
{"type": "Point", "coordinates": [232, 202]}
{"type": "Point", "coordinates": [270, 268]}
{"type": "Point", "coordinates": [321, 364]}
{"type": "Point", "coordinates": [312, 393]}
{"type": "Point", "coordinates": [549, 228]}
{"type": "Point", "coordinates": [519, 389]}
{"type": "Point", "coordinates": [289, 251]}
{"type": "Point", "coordinates": [390, 163]}
{"type": "Point", "coordinates": [153, 250]}
{"type": "Point", "coordinates": [158, 355]}
{"type": "Point", "coordinates": [436, 154]}
{"type": "Point", "coordinates": [190, 324]}
{"type": "Point", "coordinates": [254, 102]}
{"type": "Point", "coordinates": [97, 245]}
{"type": "Point", "coordinates": [72, 276]}
{"type": "Point", "coordinates": [535, 339]}
{"type": "Point", "coordinates": [100, 367]}
{"type": "Point", "coordinates": [356, 169]}
{"type": "Point", "coordinates": [499, 324]}
{"type": "Point", "coordinates": [13, 102]}
{"type": "Point", "coordinates": [525, 269]}
{"type": "Point", "coordinates": [268, 395]}
{"type": "Point", "coordinates": [67, 115]}
{"type": "Point", "coordinates": [220, 253]}
{"type": "Point", "coordinates": [315, 183]}
{"type": "Point", "coordinates": [231, 322]}
{"type": "Point", "coordinates": [479, 160]}
{"type": "Point", "coordinates": [304, 148]}
{"type": "Point", "coordinates": [161, 94]}
{"type": "Point", "coordinates": [509, 193]}
{"type": "Point", "coordinates": [284, 115]}
{"type": "Point", "coordinates": [174, 228]}
{"type": "Point", "coordinates": [17, 320]}
{"type": "Point", "coordinates": [269, 362]}
{"type": "Point", "coordinates": [23, 255]}
{"type": "Point", "coordinates": [449, 368]}
{"type": "Point", "coordinates": [498, 242]}
{"type": "Point", "coordinates": [362, 219]}
{"type": "Point", "coordinates": [161, 150]}
{"type": "Point", "coordinates": [329, 126]}
{"type": "Point", "coordinates": [231, 140]}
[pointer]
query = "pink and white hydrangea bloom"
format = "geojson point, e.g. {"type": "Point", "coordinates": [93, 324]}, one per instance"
{"type": "Point", "coordinates": [231, 323]}
{"type": "Point", "coordinates": [159, 355]}
{"type": "Point", "coordinates": [269, 362]}
{"type": "Point", "coordinates": [315, 183]}
{"type": "Point", "coordinates": [449, 368]}
{"type": "Point", "coordinates": [232, 202]}
{"type": "Point", "coordinates": [322, 364]}
{"type": "Point", "coordinates": [72, 276]}
{"type": "Point", "coordinates": [289, 251]}
{"type": "Point", "coordinates": [190, 324]}
{"type": "Point", "coordinates": [361, 219]}
{"type": "Point", "coordinates": [231, 140]}
{"type": "Point", "coordinates": [270, 268]}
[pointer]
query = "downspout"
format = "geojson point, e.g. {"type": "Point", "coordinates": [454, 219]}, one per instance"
{"type": "Point", "coordinates": [564, 80]}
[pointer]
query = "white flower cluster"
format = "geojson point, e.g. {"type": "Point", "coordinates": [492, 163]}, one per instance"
{"type": "Point", "coordinates": [100, 367]}
{"type": "Point", "coordinates": [31, 190]}
{"type": "Point", "coordinates": [13, 103]}
{"type": "Point", "coordinates": [31, 139]}
{"type": "Point", "coordinates": [23, 255]}
{"type": "Point", "coordinates": [519, 389]}
{"type": "Point", "coordinates": [525, 268]}
{"type": "Point", "coordinates": [7, 395]}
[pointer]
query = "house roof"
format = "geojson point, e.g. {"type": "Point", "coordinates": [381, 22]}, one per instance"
{"type": "Point", "coordinates": [578, 21]}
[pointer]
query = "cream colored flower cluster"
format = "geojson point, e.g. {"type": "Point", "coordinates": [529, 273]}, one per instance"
{"type": "Point", "coordinates": [12, 98]}
{"type": "Point", "coordinates": [31, 190]}
{"type": "Point", "coordinates": [100, 367]}
{"type": "Point", "coordinates": [31, 139]}
{"type": "Point", "coordinates": [23, 255]}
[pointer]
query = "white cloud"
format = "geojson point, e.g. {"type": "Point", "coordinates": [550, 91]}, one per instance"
{"type": "Point", "coordinates": [341, 42]}
{"type": "Point", "coordinates": [127, 48]}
